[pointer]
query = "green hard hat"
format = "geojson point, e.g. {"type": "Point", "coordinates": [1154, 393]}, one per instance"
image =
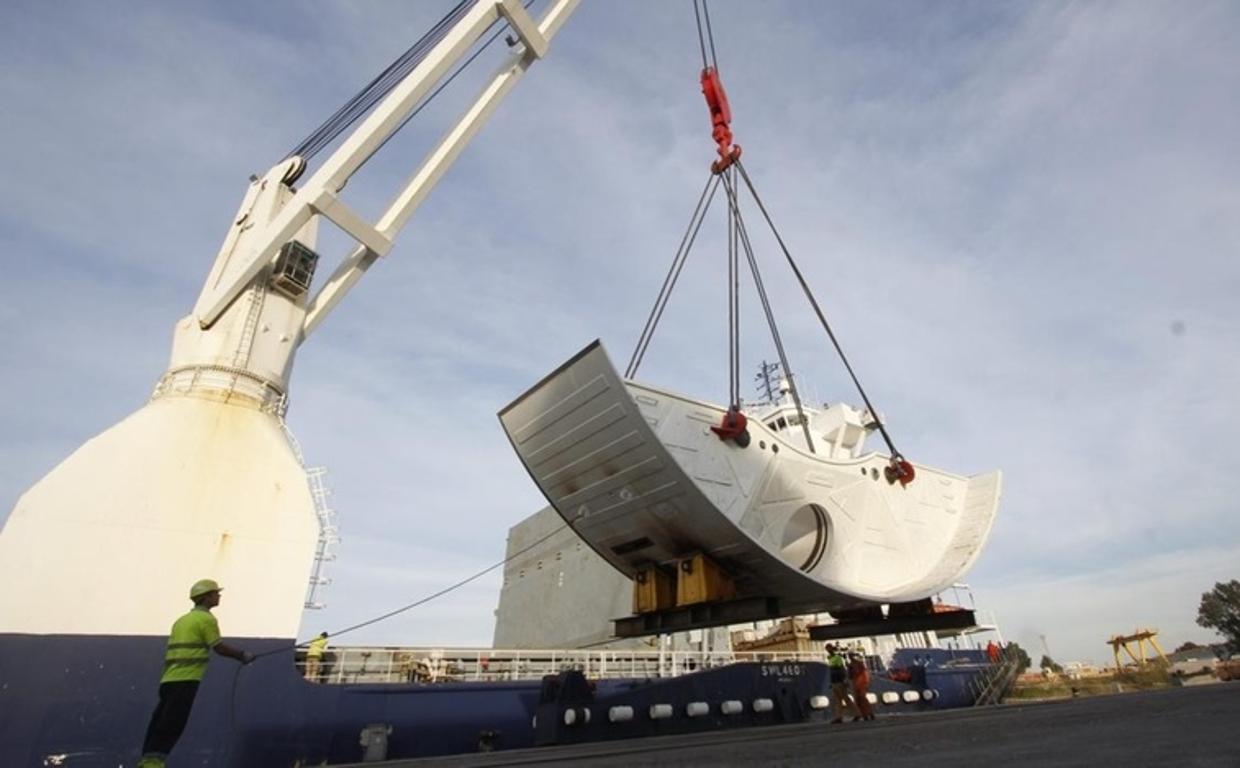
{"type": "Point", "coordinates": [202, 587]}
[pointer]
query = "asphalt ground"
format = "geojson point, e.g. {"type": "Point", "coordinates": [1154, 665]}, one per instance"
{"type": "Point", "coordinates": [1193, 726]}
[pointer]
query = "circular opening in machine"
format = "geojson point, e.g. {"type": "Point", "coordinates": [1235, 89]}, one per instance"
{"type": "Point", "coordinates": [805, 537]}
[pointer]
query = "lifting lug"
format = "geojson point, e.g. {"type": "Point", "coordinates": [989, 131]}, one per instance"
{"type": "Point", "coordinates": [899, 470]}
{"type": "Point", "coordinates": [733, 427]}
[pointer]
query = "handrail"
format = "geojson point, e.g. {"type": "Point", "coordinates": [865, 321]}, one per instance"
{"type": "Point", "coordinates": [349, 664]}
{"type": "Point", "coordinates": [995, 682]}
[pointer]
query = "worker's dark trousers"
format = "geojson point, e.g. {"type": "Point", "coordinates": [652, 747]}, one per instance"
{"type": "Point", "coordinates": [170, 716]}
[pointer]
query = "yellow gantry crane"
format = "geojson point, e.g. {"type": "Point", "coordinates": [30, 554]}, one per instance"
{"type": "Point", "coordinates": [1140, 637]}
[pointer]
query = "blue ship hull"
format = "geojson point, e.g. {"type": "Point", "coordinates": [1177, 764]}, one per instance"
{"type": "Point", "coordinates": [84, 701]}
{"type": "Point", "coordinates": [78, 700]}
{"type": "Point", "coordinates": [951, 674]}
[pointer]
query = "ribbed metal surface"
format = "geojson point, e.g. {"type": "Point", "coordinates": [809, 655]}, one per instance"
{"type": "Point", "coordinates": [588, 448]}
{"type": "Point", "coordinates": [639, 475]}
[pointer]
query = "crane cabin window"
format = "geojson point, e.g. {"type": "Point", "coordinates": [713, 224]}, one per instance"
{"type": "Point", "coordinates": [294, 269]}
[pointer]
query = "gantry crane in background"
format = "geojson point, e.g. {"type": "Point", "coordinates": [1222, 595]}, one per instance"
{"type": "Point", "coordinates": [1140, 637]}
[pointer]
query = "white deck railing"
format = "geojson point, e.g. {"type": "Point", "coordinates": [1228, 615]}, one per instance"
{"type": "Point", "coordinates": [441, 665]}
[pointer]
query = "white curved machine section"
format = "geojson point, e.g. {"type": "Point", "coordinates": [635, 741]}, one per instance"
{"type": "Point", "coordinates": [639, 475]}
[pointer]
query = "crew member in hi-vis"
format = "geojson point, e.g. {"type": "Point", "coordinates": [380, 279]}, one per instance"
{"type": "Point", "coordinates": [190, 643]}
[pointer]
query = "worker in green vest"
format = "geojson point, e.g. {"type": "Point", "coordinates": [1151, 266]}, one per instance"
{"type": "Point", "coordinates": [190, 643]}
{"type": "Point", "coordinates": [314, 657]}
{"type": "Point", "coordinates": [838, 668]}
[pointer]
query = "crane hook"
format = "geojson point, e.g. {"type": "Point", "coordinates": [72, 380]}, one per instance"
{"type": "Point", "coordinates": [720, 120]}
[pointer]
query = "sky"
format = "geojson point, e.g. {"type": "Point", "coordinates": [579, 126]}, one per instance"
{"type": "Point", "coordinates": [1021, 220]}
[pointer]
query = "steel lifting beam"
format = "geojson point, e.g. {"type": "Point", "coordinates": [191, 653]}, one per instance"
{"type": "Point", "coordinates": [892, 625]}
{"type": "Point", "coordinates": [700, 616]}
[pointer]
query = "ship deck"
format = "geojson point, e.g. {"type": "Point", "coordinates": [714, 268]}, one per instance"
{"type": "Point", "coordinates": [1190, 726]}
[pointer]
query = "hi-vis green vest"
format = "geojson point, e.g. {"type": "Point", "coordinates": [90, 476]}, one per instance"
{"type": "Point", "coordinates": [837, 666]}
{"type": "Point", "coordinates": [317, 646]}
{"type": "Point", "coordinates": [189, 646]}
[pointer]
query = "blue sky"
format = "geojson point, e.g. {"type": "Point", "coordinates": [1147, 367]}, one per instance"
{"type": "Point", "coordinates": [1020, 218]}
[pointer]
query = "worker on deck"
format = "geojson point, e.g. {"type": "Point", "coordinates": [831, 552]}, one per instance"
{"type": "Point", "coordinates": [314, 657]}
{"type": "Point", "coordinates": [839, 684]}
{"type": "Point", "coordinates": [190, 643]}
{"type": "Point", "coordinates": [859, 677]}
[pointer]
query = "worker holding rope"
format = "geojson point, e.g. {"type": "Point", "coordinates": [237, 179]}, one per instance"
{"type": "Point", "coordinates": [190, 643]}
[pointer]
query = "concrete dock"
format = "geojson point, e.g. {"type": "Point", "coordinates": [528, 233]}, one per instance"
{"type": "Point", "coordinates": [1192, 726]}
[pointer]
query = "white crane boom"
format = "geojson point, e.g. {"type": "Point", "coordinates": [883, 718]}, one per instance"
{"type": "Point", "coordinates": [318, 195]}
{"type": "Point", "coordinates": [438, 161]}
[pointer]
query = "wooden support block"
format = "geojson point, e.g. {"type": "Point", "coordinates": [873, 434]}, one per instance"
{"type": "Point", "coordinates": [653, 590]}
{"type": "Point", "coordinates": [700, 580]}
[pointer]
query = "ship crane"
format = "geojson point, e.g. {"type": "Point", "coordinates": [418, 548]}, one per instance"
{"type": "Point", "coordinates": [202, 479]}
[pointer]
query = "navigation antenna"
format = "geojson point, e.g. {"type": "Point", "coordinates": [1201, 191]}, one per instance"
{"type": "Point", "coordinates": [767, 385]}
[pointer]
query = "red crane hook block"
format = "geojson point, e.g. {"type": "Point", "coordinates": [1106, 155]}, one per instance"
{"type": "Point", "coordinates": [720, 119]}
